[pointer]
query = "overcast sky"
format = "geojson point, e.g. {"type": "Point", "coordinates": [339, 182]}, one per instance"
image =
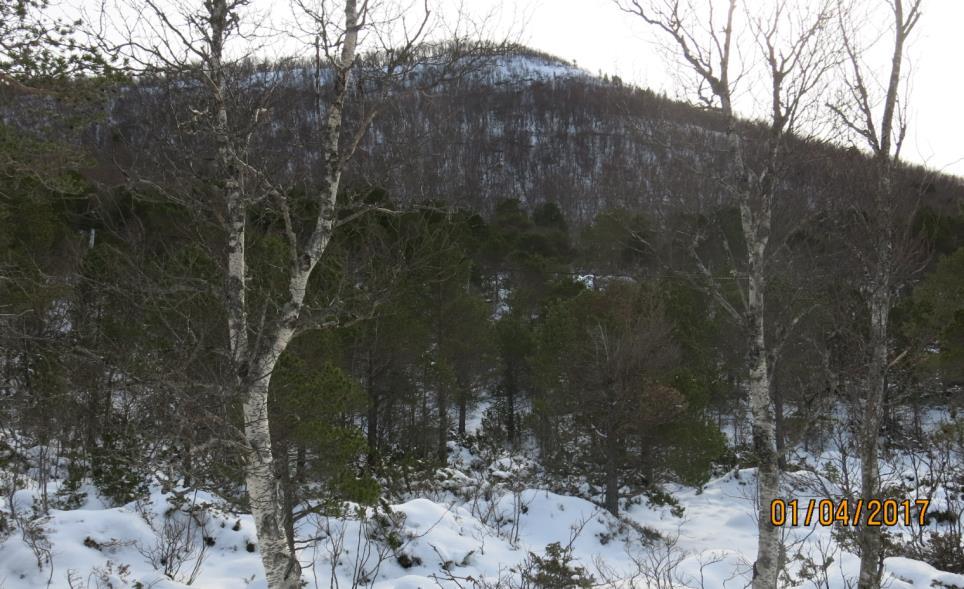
{"type": "Point", "coordinates": [602, 38]}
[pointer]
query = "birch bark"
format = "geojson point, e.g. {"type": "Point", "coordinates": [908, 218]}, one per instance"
{"type": "Point", "coordinates": [885, 144]}
{"type": "Point", "coordinates": [795, 63]}
{"type": "Point", "coordinates": [756, 235]}
{"type": "Point", "coordinates": [254, 367]}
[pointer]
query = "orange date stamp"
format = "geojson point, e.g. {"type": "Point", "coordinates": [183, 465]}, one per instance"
{"type": "Point", "coordinates": [827, 512]}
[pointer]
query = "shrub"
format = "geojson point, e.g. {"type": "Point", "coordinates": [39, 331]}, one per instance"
{"type": "Point", "coordinates": [555, 570]}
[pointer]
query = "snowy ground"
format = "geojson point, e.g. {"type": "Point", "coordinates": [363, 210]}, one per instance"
{"type": "Point", "coordinates": [439, 545]}
{"type": "Point", "coordinates": [476, 527]}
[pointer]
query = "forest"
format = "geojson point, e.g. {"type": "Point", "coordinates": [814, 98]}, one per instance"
{"type": "Point", "coordinates": [416, 305]}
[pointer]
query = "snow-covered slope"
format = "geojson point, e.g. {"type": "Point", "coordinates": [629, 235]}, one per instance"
{"type": "Point", "coordinates": [525, 68]}
{"type": "Point", "coordinates": [477, 529]}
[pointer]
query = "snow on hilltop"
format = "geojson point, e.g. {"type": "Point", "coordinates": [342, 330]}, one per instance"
{"type": "Point", "coordinates": [532, 68]}
{"type": "Point", "coordinates": [521, 66]}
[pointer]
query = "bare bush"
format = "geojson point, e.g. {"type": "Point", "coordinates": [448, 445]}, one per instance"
{"type": "Point", "coordinates": [180, 538]}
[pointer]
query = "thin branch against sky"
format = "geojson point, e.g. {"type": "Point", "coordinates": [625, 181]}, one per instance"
{"type": "Point", "coordinates": [602, 39]}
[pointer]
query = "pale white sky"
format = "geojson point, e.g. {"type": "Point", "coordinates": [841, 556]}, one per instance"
{"type": "Point", "coordinates": [602, 38]}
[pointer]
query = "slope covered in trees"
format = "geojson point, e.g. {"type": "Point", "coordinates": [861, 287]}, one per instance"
{"type": "Point", "coordinates": [308, 290]}
{"type": "Point", "coordinates": [517, 125]}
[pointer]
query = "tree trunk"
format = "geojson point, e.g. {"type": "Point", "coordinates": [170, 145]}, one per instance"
{"type": "Point", "coordinates": [442, 380]}
{"type": "Point", "coordinates": [767, 566]}
{"type": "Point", "coordinates": [510, 404]}
{"type": "Point", "coordinates": [780, 424]}
{"type": "Point", "coordinates": [443, 424]}
{"type": "Point", "coordinates": [869, 538]}
{"type": "Point", "coordinates": [254, 365]}
{"type": "Point", "coordinates": [301, 463]}
{"type": "Point", "coordinates": [612, 473]}
{"type": "Point", "coordinates": [463, 409]}
{"type": "Point", "coordinates": [881, 299]}
{"type": "Point", "coordinates": [373, 408]}
{"type": "Point", "coordinates": [372, 432]}
{"type": "Point", "coordinates": [287, 492]}
{"type": "Point", "coordinates": [187, 464]}
{"type": "Point", "coordinates": [281, 567]}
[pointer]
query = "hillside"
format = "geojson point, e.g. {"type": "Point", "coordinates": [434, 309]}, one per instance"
{"type": "Point", "coordinates": [524, 125]}
{"type": "Point", "coordinates": [361, 300]}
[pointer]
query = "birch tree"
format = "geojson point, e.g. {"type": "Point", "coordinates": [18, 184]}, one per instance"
{"type": "Point", "coordinates": [255, 361]}
{"type": "Point", "coordinates": [790, 39]}
{"type": "Point", "coordinates": [871, 109]}
{"type": "Point", "coordinates": [256, 349]}
{"type": "Point", "coordinates": [203, 52]}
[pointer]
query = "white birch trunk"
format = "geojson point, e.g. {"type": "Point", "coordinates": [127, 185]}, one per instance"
{"type": "Point", "coordinates": [282, 569]}
{"type": "Point", "coordinates": [869, 537]}
{"type": "Point", "coordinates": [882, 285]}
{"type": "Point", "coordinates": [767, 566]}
{"type": "Point", "coordinates": [755, 224]}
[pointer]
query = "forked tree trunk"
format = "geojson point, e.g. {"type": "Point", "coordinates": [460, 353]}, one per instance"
{"type": "Point", "coordinates": [882, 283]}
{"type": "Point", "coordinates": [755, 193]}
{"type": "Point", "coordinates": [282, 569]}
{"type": "Point", "coordinates": [254, 365]}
